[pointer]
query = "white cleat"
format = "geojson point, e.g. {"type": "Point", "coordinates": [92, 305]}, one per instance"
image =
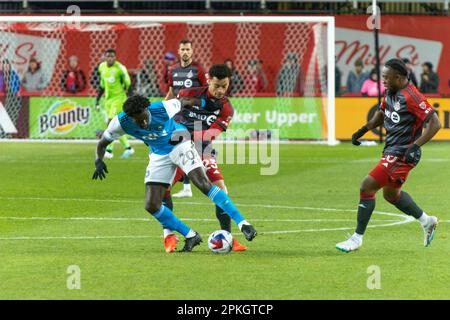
{"type": "Point", "coordinates": [127, 153]}
{"type": "Point", "coordinates": [183, 194]}
{"type": "Point", "coordinates": [108, 155]}
{"type": "Point", "coordinates": [429, 230]}
{"type": "Point", "coordinates": [353, 243]}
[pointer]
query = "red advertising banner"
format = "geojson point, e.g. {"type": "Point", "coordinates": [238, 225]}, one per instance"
{"type": "Point", "coordinates": [418, 38]}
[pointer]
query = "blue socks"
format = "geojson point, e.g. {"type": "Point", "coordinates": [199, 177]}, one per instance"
{"type": "Point", "coordinates": [222, 200]}
{"type": "Point", "coordinates": [169, 221]}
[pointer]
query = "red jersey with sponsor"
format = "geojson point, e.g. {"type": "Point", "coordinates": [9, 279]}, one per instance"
{"type": "Point", "coordinates": [404, 115]}
{"type": "Point", "coordinates": [211, 123]}
{"type": "Point", "coordinates": [191, 76]}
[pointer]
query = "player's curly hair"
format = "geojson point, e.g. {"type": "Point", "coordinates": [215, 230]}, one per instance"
{"type": "Point", "coordinates": [399, 66]}
{"type": "Point", "coordinates": [220, 71]}
{"type": "Point", "coordinates": [135, 104]}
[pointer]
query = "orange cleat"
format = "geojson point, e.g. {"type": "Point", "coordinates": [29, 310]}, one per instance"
{"type": "Point", "coordinates": [237, 246]}
{"type": "Point", "coordinates": [170, 243]}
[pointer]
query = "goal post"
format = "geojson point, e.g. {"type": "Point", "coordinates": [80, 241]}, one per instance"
{"type": "Point", "coordinates": [264, 42]}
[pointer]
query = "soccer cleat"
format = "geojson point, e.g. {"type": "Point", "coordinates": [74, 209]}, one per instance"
{"type": "Point", "coordinates": [238, 247]}
{"type": "Point", "coordinates": [108, 154]}
{"type": "Point", "coordinates": [190, 243]}
{"type": "Point", "coordinates": [183, 194]}
{"type": "Point", "coordinates": [127, 153]}
{"type": "Point", "coordinates": [249, 231]}
{"type": "Point", "coordinates": [170, 243]}
{"type": "Point", "coordinates": [429, 230]}
{"type": "Point", "coordinates": [351, 244]}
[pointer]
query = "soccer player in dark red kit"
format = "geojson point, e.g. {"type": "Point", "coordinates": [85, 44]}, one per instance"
{"type": "Point", "coordinates": [205, 123]}
{"type": "Point", "coordinates": [185, 74]}
{"type": "Point", "coordinates": [404, 112]}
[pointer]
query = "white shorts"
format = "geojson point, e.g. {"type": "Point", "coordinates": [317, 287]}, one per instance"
{"type": "Point", "coordinates": [162, 168]}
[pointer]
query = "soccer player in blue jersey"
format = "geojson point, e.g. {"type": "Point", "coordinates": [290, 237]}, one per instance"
{"type": "Point", "coordinates": [170, 147]}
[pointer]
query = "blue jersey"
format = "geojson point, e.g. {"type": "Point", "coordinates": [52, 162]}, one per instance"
{"type": "Point", "coordinates": [157, 135]}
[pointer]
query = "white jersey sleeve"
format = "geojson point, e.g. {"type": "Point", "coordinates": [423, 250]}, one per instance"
{"type": "Point", "coordinates": [172, 106]}
{"type": "Point", "coordinates": [114, 130]}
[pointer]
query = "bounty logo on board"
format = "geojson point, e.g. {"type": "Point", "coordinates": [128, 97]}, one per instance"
{"type": "Point", "coordinates": [63, 116]}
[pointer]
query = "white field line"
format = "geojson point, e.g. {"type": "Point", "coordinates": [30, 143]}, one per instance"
{"type": "Point", "coordinates": [184, 219]}
{"type": "Point", "coordinates": [145, 160]}
{"type": "Point", "coordinates": [195, 203]}
{"type": "Point", "coordinates": [135, 141]}
{"type": "Point", "coordinates": [404, 219]}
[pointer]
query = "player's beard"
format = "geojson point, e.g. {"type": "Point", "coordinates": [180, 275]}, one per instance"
{"type": "Point", "coordinates": [186, 58]}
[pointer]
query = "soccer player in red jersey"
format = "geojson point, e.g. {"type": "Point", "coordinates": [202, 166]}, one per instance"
{"type": "Point", "coordinates": [205, 123]}
{"type": "Point", "coordinates": [186, 73]}
{"type": "Point", "coordinates": [404, 112]}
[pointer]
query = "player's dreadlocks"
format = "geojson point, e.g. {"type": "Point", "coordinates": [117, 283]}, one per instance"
{"type": "Point", "coordinates": [399, 66]}
{"type": "Point", "coordinates": [135, 104]}
{"type": "Point", "coordinates": [220, 71]}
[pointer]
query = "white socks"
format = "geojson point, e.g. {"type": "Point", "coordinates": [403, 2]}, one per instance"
{"type": "Point", "coordinates": [167, 232]}
{"type": "Point", "coordinates": [190, 234]}
{"type": "Point", "coordinates": [358, 237]}
{"type": "Point", "coordinates": [424, 218]}
{"type": "Point", "coordinates": [242, 223]}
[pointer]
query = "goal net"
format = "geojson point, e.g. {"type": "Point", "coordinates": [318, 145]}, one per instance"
{"type": "Point", "coordinates": [283, 70]}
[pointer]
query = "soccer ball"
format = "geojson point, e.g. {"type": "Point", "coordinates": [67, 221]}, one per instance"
{"type": "Point", "coordinates": [220, 241]}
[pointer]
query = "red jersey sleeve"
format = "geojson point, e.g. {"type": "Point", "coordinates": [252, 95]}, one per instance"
{"type": "Point", "coordinates": [417, 104]}
{"type": "Point", "coordinates": [169, 77]}
{"type": "Point", "coordinates": [202, 76]}
{"type": "Point", "coordinates": [183, 93]}
{"type": "Point", "coordinates": [222, 122]}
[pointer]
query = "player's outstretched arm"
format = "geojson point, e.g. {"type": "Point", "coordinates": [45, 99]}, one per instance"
{"type": "Point", "coordinates": [100, 166]}
{"type": "Point", "coordinates": [376, 121]}
{"type": "Point", "coordinates": [113, 132]}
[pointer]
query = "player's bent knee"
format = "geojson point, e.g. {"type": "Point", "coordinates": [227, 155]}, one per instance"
{"type": "Point", "coordinates": [200, 180]}
{"type": "Point", "coordinates": [369, 185]}
{"type": "Point", "coordinates": [152, 207]}
{"type": "Point", "coordinates": [391, 197]}
{"type": "Point", "coordinates": [205, 186]}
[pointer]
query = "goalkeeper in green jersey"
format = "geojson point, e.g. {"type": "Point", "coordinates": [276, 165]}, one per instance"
{"type": "Point", "coordinates": [114, 83]}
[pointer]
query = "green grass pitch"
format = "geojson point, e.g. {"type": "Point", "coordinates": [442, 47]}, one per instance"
{"type": "Point", "coordinates": [52, 216]}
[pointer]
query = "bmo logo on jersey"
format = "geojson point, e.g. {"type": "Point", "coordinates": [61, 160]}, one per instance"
{"type": "Point", "coordinates": [188, 83]}
{"type": "Point", "coordinates": [395, 117]}
{"type": "Point", "coordinates": [208, 119]}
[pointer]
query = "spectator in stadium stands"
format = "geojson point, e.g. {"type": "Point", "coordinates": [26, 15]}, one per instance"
{"type": "Point", "coordinates": [370, 86]}
{"type": "Point", "coordinates": [9, 80]}
{"type": "Point", "coordinates": [236, 83]}
{"type": "Point", "coordinates": [429, 79]}
{"type": "Point", "coordinates": [290, 77]}
{"type": "Point", "coordinates": [412, 75]}
{"type": "Point", "coordinates": [357, 77]}
{"type": "Point", "coordinates": [256, 78]}
{"type": "Point", "coordinates": [33, 80]}
{"type": "Point", "coordinates": [147, 81]}
{"type": "Point", "coordinates": [73, 79]}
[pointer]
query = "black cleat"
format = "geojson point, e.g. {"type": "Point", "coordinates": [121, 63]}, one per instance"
{"type": "Point", "coordinates": [190, 243]}
{"type": "Point", "coordinates": [249, 231]}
